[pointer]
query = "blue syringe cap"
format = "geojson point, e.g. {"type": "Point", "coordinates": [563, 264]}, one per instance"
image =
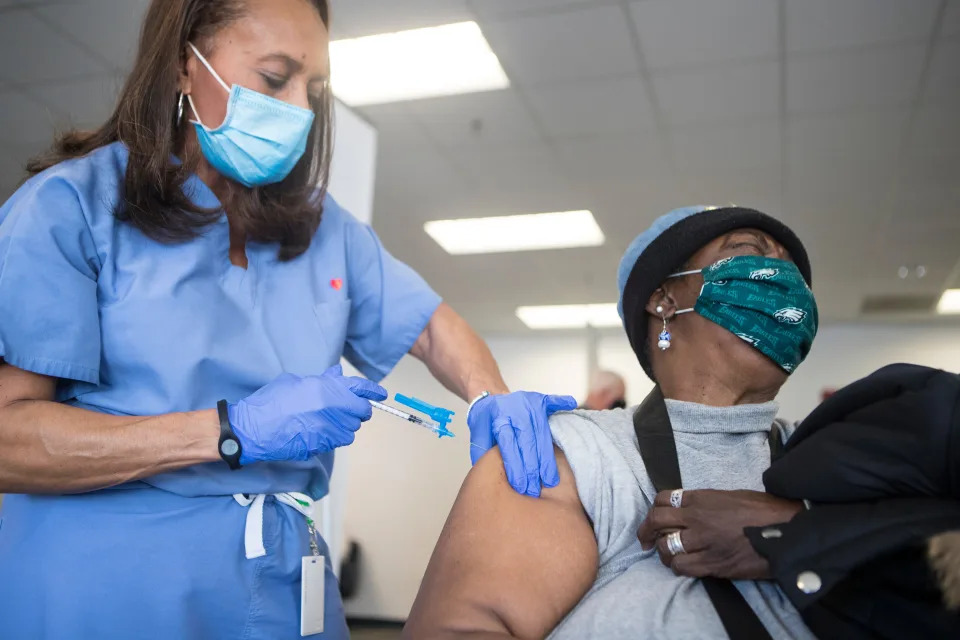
{"type": "Point", "coordinates": [438, 414]}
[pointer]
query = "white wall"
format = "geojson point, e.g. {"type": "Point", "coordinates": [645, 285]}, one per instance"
{"type": "Point", "coordinates": [353, 171]}
{"type": "Point", "coordinates": [846, 353]}
{"type": "Point", "coordinates": [402, 483]}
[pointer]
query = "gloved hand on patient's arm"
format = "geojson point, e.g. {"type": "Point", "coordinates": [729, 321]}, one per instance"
{"type": "Point", "coordinates": [293, 417]}
{"type": "Point", "coordinates": [518, 423]}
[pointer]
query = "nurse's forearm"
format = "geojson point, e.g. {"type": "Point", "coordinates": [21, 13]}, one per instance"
{"type": "Point", "coordinates": [457, 356]}
{"type": "Point", "coordinates": [47, 447]}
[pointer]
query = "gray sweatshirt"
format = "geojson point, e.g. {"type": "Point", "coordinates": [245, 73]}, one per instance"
{"type": "Point", "coordinates": [634, 595]}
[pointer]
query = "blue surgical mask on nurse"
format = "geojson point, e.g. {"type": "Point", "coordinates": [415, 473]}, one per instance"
{"type": "Point", "coordinates": [261, 138]}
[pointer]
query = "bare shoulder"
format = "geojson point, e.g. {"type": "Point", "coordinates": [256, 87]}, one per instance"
{"type": "Point", "coordinates": [506, 563]}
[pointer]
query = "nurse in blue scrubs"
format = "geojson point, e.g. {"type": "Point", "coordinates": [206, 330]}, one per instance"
{"type": "Point", "coordinates": [175, 294]}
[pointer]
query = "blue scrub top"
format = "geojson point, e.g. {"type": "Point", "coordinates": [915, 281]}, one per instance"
{"type": "Point", "coordinates": [135, 327]}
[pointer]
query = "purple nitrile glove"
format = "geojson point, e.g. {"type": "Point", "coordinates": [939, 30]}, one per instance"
{"type": "Point", "coordinates": [293, 418]}
{"type": "Point", "coordinates": [518, 423]}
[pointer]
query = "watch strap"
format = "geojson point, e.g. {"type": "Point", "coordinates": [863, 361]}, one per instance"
{"type": "Point", "coordinates": [229, 445]}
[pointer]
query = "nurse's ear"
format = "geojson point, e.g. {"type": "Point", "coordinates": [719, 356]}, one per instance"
{"type": "Point", "coordinates": [188, 64]}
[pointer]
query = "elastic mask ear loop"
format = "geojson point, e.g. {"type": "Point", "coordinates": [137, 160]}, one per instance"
{"type": "Point", "coordinates": [679, 312]}
{"type": "Point", "coordinates": [685, 273]}
{"type": "Point", "coordinates": [203, 60]}
{"type": "Point", "coordinates": [216, 76]}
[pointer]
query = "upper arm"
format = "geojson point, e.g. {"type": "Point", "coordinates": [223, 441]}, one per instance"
{"type": "Point", "coordinates": [390, 304]}
{"type": "Point", "coordinates": [17, 385]}
{"type": "Point", "coordinates": [505, 562]}
{"type": "Point", "coordinates": [49, 266]}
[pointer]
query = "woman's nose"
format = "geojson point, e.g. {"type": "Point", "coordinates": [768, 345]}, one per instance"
{"type": "Point", "coordinates": [298, 96]}
{"type": "Point", "coordinates": [303, 100]}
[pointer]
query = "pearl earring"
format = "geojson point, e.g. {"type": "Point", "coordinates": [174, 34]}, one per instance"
{"type": "Point", "coordinates": [665, 337]}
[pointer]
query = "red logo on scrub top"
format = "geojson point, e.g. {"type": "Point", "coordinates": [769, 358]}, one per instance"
{"type": "Point", "coordinates": [337, 284]}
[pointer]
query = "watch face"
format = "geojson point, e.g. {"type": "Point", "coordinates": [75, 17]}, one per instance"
{"type": "Point", "coordinates": [229, 448]}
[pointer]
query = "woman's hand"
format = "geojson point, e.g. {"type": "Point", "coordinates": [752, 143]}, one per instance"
{"type": "Point", "coordinates": [711, 525]}
{"type": "Point", "coordinates": [518, 422]}
{"type": "Point", "coordinates": [293, 418]}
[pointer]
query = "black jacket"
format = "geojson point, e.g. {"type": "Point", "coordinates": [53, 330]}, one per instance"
{"type": "Point", "coordinates": [880, 462]}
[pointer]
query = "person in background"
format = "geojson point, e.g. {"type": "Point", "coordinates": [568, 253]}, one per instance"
{"type": "Point", "coordinates": [607, 391]}
{"type": "Point", "coordinates": [717, 306]}
{"type": "Point", "coordinates": [176, 293]}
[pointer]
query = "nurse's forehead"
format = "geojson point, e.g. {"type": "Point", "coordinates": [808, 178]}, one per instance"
{"type": "Point", "coordinates": [292, 29]}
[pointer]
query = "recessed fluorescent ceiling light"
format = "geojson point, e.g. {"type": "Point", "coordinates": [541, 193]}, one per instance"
{"type": "Point", "coordinates": [570, 316]}
{"type": "Point", "coordinates": [516, 233]}
{"type": "Point", "coordinates": [422, 63]}
{"type": "Point", "coordinates": [949, 302]}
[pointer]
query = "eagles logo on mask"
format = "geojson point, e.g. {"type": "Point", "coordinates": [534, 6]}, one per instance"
{"type": "Point", "coordinates": [763, 301]}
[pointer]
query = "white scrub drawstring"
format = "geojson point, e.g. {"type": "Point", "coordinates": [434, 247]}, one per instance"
{"type": "Point", "coordinates": [253, 533]}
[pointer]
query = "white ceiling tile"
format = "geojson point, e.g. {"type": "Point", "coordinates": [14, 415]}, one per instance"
{"type": "Point", "coordinates": [732, 92]}
{"type": "Point", "coordinates": [936, 128]}
{"type": "Point", "coordinates": [866, 133]}
{"type": "Point", "coordinates": [27, 123]}
{"type": "Point", "coordinates": [839, 177]}
{"type": "Point", "coordinates": [395, 125]}
{"type": "Point", "coordinates": [951, 19]}
{"type": "Point", "coordinates": [354, 18]}
{"type": "Point", "coordinates": [566, 46]}
{"type": "Point", "coordinates": [37, 53]}
{"type": "Point", "coordinates": [510, 167]}
{"type": "Point", "coordinates": [612, 159]}
{"type": "Point", "coordinates": [928, 205]}
{"type": "Point", "coordinates": [943, 76]}
{"type": "Point", "coordinates": [816, 25]}
{"type": "Point", "coordinates": [501, 8]}
{"type": "Point", "coordinates": [593, 107]}
{"type": "Point", "coordinates": [934, 171]}
{"type": "Point", "coordinates": [883, 77]}
{"type": "Point", "coordinates": [6, 4]}
{"type": "Point", "coordinates": [906, 244]}
{"type": "Point", "coordinates": [84, 103]}
{"type": "Point", "coordinates": [413, 172]}
{"type": "Point", "coordinates": [755, 187]}
{"type": "Point", "coordinates": [493, 117]}
{"type": "Point", "coordinates": [109, 27]}
{"type": "Point", "coordinates": [700, 32]}
{"type": "Point", "coordinates": [627, 202]}
{"type": "Point", "coordinates": [724, 148]}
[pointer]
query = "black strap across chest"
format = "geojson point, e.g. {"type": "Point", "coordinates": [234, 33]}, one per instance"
{"type": "Point", "coordinates": [658, 449]}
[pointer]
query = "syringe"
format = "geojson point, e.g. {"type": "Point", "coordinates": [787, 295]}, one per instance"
{"type": "Point", "coordinates": [404, 415]}
{"type": "Point", "coordinates": [400, 414]}
{"type": "Point", "coordinates": [432, 426]}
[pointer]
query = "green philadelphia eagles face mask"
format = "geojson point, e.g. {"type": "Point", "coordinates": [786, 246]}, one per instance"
{"type": "Point", "coordinates": [764, 301]}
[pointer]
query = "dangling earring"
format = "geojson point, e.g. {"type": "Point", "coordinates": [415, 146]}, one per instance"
{"type": "Point", "coordinates": [665, 337]}
{"type": "Point", "coordinates": [180, 108]}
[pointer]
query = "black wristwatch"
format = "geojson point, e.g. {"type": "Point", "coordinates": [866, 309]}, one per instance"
{"type": "Point", "coordinates": [229, 448]}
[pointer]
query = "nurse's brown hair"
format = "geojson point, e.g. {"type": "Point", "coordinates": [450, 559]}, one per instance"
{"type": "Point", "coordinates": [145, 120]}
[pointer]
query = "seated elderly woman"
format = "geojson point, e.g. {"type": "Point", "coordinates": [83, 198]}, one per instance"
{"type": "Point", "coordinates": [718, 309]}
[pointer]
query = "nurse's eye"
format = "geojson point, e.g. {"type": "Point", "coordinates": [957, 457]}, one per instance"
{"type": "Point", "coordinates": [273, 81]}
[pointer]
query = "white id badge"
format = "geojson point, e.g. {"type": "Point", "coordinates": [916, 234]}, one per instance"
{"type": "Point", "coordinates": [312, 577]}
